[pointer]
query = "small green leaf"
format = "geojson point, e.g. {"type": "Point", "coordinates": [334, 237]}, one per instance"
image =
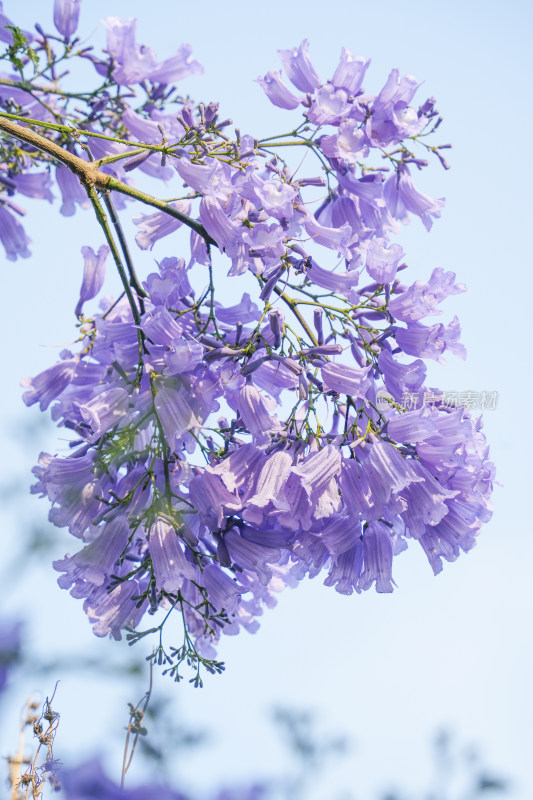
{"type": "Point", "coordinates": [20, 46]}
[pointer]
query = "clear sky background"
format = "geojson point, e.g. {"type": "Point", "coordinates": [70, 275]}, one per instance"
{"type": "Point", "coordinates": [387, 670]}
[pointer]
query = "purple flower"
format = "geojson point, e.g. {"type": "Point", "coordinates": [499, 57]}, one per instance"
{"type": "Point", "coordinates": [226, 233]}
{"type": "Point", "coordinates": [104, 411]}
{"type": "Point", "coordinates": [382, 262]}
{"type": "Point", "coordinates": [397, 90]}
{"type": "Point", "coordinates": [345, 379]}
{"type": "Point", "coordinates": [265, 241]}
{"type": "Point", "coordinates": [34, 184]}
{"type": "Point", "coordinates": [174, 410]}
{"type": "Point", "coordinates": [213, 499]}
{"type": "Point", "coordinates": [171, 285]}
{"type": "Point", "coordinates": [402, 197]}
{"type": "Point", "coordinates": [330, 106]}
{"type": "Point", "coordinates": [350, 72]}
{"type": "Point", "coordinates": [346, 568]}
{"type": "Point", "coordinates": [342, 281]}
{"type": "Point", "coordinates": [113, 611]}
{"type": "Point", "coordinates": [255, 413]}
{"type": "Point", "coordinates": [66, 15]}
{"type": "Point", "coordinates": [169, 562]}
{"type": "Point", "coordinates": [48, 385]}
{"type": "Point", "coordinates": [183, 356]}
{"type": "Point", "coordinates": [156, 226]}
{"type": "Point", "coordinates": [271, 478]}
{"type": "Point", "coordinates": [369, 489]}
{"type": "Point", "coordinates": [333, 238]}
{"type": "Point", "coordinates": [349, 144]}
{"type": "Point", "coordinates": [455, 533]}
{"type": "Point", "coordinates": [391, 117]}
{"type": "Point", "coordinates": [277, 92]}
{"type": "Point", "coordinates": [369, 188]}
{"type": "Point", "coordinates": [400, 378]}
{"type": "Point", "coordinates": [210, 179]}
{"type": "Point", "coordinates": [245, 311]}
{"type": "Point", "coordinates": [135, 63]}
{"type": "Point", "coordinates": [75, 489]}
{"type": "Point", "coordinates": [340, 534]}
{"type": "Point", "coordinates": [251, 556]}
{"type": "Point", "coordinates": [451, 335]}
{"type": "Point", "coordinates": [377, 558]}
{"type": "Point", "coordinates": [426, 502]}
{"type": "Point", "coordinates": [145, 130]}
{"type": "Point", "coordinates": [276, 198]}
{"type": "Point", "coordinates": [421, 299]}
{"type": "Point", "coordinates": [92, 566]}
{"type": "Point", "coordinates": [413, 426]}
{"type": "Point", "coordinates": [72, 192]}
{"type": "Point", "coordinates": [312, 489]}
{"type": "Point", "coordinates": [93, 274]}
{"type": "Point", "coordinates": [421, 340]}
{"type": "Point", "coordinates": [177, 67]}
{"type": "Point", "coordinates": [13, 236]}
{"type": "Point", "coordinates": [298, 67]}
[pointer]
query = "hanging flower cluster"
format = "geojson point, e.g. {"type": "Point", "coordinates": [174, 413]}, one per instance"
{"type": "Point", "coordinates": [222, 452]}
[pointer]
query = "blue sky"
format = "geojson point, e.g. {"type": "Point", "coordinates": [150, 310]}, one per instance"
{"type": "Point", "coordinates": [456, 650]}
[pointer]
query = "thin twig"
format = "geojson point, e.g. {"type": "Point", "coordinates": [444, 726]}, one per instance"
{"type": "Point", "coordinates": [134, 726]}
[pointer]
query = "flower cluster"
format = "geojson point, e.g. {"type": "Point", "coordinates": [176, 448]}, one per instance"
{"type": "Point", "coordinates": [222, 452]}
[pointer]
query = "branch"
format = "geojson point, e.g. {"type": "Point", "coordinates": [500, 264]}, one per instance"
{"type": "Point", "coordinates": [91, 176]}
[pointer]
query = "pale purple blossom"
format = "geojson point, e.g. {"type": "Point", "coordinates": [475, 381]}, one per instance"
{"type": "Point", "coordinates": [34, 184]}
{"type": "Point", "coordinates": [135, 63]}
{"type": "Point", "coordinates": [72, 192]}
{"type": "Point", "coordinates": [421, 299]}
{"type": "Point", "coordinates": [277, 92]}
{"type": "Point", "coordinates": [377, 558]}
{"type": "Point", "coordinates": [299, 68]}
{"type": "Point", "coordinates": [345, 379]}
{"type": "Point", "coordinates": [169, 561]}
{"type": "Point", "coordinates": [350, 72]}
{"type": "Point", "coordinates": [349, 144]}
{"type": "Point", "coordinates": [330, 106]}
{"type": "Point", "coordinates": [93, 566]}
{"type": "Point", "coordinates": [93, 274]}
{"type": "Point", "coordinates": [154, 227]}
{"type": "Point", "coordinates": [400, 378]}
{"type": "Point", "coordinates": [382, 261]}
{"type": "Point", "coordinates": [48, 385]}
{"type": "Point", "coordinates": [66, 16]}
{"type": "Point", "coordinates": [13, 236]}
{"type": "Point", "coordinates": [111, 612]}
{"type": "Point", "coordinates": [403, 197]}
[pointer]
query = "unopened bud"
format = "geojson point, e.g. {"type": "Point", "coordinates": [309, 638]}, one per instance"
{"type": "Point", "coordinates": [275, 318]}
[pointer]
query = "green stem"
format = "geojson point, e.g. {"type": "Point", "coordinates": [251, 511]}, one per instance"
{"type": "Point", "coordinates": [305, 142]}
{"type": "Point", "coordinates": [102, 220]}
{"type": "Point", "coordinates": [134, 281]}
